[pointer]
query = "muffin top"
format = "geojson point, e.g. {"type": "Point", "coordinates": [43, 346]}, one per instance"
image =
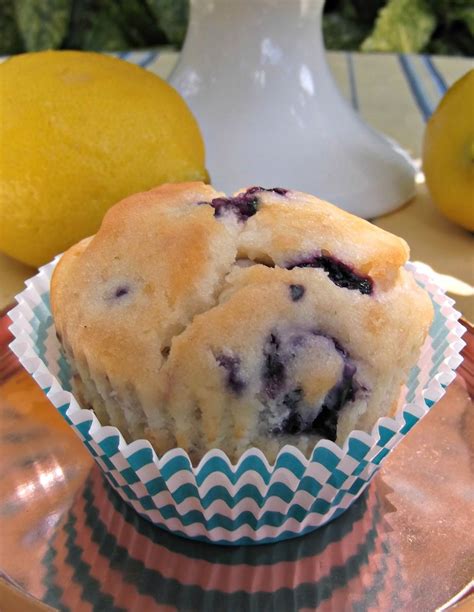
{"type": "Point", "coordinates": [197, 300]}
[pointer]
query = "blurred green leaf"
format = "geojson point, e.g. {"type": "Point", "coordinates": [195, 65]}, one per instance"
{"type": "Point", "coordinates": [456, 40]}
{"type": "Point", "coordinates": [448, 9]}
{"type": "Point", "coordinates": [451, 45]}
{"type": "Point", "coordinates": [465, 15]}
{"type": "Point", "coordinates": [454, 34]}
{"type": "Point", "coordinates": [343, 33]}
{"type": "Point", "coordinates": [402, 26]}
{"type": "Point", "coordinates": [10, 39]}
{"type": "Point", "coordinates": [138, 23]}
{"type": "Point", "coordinates": [172, 17]}
{"type": "Point", "coordinates": [42, 25]}
{"type": "Point", "coordinates": [366, 10]}
{"type": "Point", "coordinates": [93, 27]}
{"type": "Point", "coordinates": [112, 25]}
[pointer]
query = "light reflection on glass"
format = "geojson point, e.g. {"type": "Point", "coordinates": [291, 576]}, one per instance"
{"type": "Point", "coordinates": [50, 477]}
{"type": "Point", "coordinates": [259, 77]}
{"type": "Point", "coordinates": [46, 478]}
{"type": "Point", "coordinates": [189, 83]}
{"type": "Point", "coordinates": [41, 529]}
{"type": "Point", "coordinates": [306, 80]}
{"type": "Point", "coordinates": [419, 178]}
{"type": "Point", "coordinates": [25, 490]}
{"type": "Point", "coordinates": [270, 52]}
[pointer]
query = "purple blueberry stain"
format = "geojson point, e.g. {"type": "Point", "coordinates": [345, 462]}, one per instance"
{"type": "Point", "coordinates": [339, 273]}
{"type": "Point", "coordinates": [293, 398]}
{"type": "Point", "coordinates": [231, 365]}
{"type": "Point", "coordinates": [296, 292]}
{"type": "Point", "coordinates": [297, 416]}
{"type": "Point", "coordinates": [293, 423]}
{"type": "Point", "coordinates": [325, 424]}
{"type": "Point", "coordinates": [244, 205]}
{"type": "Point", "coordinates": [274, 371]}
{"type": "Point", "coordinates": [277, 190]}
{"type": "Point", "coordinates": [121, 291]}
{"type": "Point", "coordinates": [118, 293]}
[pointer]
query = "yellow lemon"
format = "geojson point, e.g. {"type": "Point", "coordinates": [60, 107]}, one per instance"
{"type": "Point", "coordinates": [448, 153]}
{"type": "Point", "coordinates": [78, 132]}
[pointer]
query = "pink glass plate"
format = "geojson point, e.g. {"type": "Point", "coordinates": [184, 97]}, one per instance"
{"type": "Point", "coordinates": [68, 540]}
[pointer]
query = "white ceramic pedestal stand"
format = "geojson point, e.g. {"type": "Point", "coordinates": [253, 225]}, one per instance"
{"type": "Point", "coordinates": [255, 75]}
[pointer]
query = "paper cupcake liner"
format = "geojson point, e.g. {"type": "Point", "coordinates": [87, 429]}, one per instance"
{"type": "Point", "coordinates": [251, 501]}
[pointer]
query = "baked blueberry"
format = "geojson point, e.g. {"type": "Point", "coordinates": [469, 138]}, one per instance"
{"type": "Point", "coordinates": [325, 424]}
{"type": "Point", "coordinates": [243, 206]}
{"type": "Point", "coordinates": [117, 293]}
{"type": "Point", "coordinates": [341, 274]}
{"type": "Point", "coordinates": [296, 292]}
{"type": "Point", "coordinates": [232, 367]}
{"type": "Point", "coordinates": [121, 291]}
{"type": "Point", "coordinates": [293, 423]}
{"type": "Point", "coordinates": [278, 190]}
{"type": "Point", "coordinates": [295, 411]}
{"type": "Point", "coordinates": [274, 368]}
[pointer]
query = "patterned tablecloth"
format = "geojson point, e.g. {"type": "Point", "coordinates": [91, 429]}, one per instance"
{"type": "Point", "coordinates": [395, 94]}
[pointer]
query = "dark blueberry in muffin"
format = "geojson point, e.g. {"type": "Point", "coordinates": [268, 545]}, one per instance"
{"type": "Point", "coordinates": [340, 273]}
{"type": "Point", "coordinates": [293, 398]}
{"type": "Point", "coordinates": [121, 291]}
{"type": "Point", "coordinates": [118, 293]}
{"type": "Point", "coordinates": [274, 371]}
{"type": "Point", "coordinates": [297, 415]}
{"type": "Point", "coordinates": [278, 190]}
{"type": "Point", "coordinates": [243, 206]}
{"type": "Point", "coordinates": [232, 366]}
{"type": "Point", "coordinates": [296, 292]}
{"type": "Point", "coordinates": [325, 424]}
{"type": "Point", "coordinates": [293, 423]}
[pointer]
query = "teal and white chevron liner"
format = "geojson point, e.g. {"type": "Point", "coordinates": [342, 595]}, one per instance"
{"type": "Point", "coordinates": [252, 501]}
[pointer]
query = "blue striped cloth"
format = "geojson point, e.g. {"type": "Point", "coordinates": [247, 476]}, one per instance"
{"type": "Point", "coordinates": [423, 101]}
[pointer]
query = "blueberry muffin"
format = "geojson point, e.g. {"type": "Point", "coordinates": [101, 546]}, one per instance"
{"type": "Point", "coordinates": [202, 321]}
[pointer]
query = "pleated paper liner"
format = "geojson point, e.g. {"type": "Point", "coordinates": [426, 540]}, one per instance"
{"type": "Point", "coordinates": [252, 501]}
